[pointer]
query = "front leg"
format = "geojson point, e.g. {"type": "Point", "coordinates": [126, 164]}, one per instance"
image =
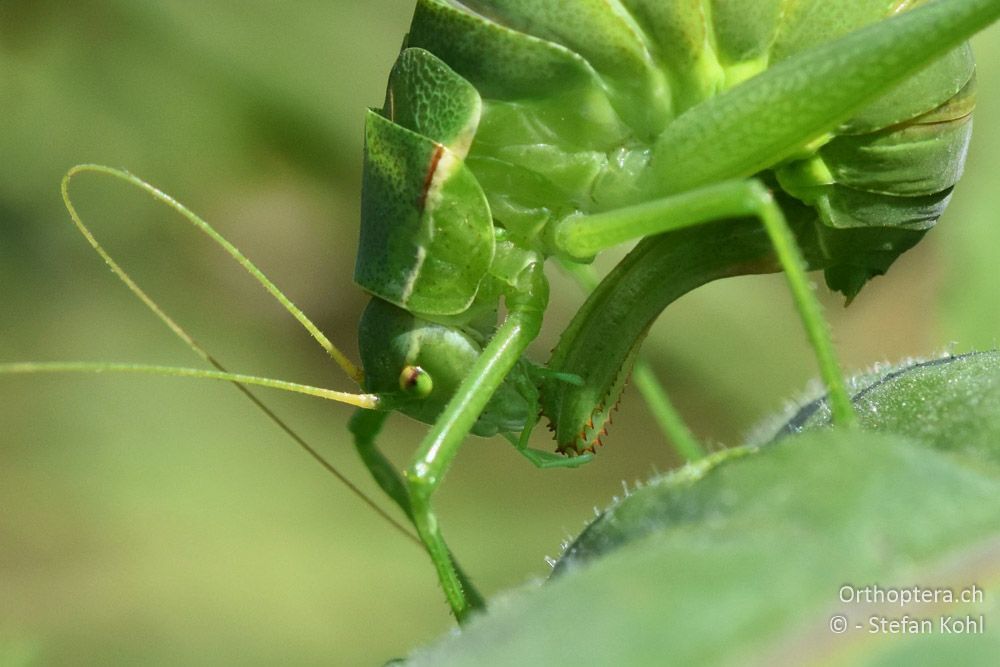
{"type": "Point", "coordinates": [439, 447]}
{"type": "Point", "coordinates": [365, 426]}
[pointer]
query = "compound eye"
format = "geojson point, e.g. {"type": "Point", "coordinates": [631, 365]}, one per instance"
{"type": "Point", "coordinates": [416, 382]}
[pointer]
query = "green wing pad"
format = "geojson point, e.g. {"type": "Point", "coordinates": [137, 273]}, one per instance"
{"type": "Point", "coordinates": [537, 92]}
{"type": "Point", "coordinates": [517, 48]}
{"type": "Point", "coordinates": [608, 38]}
{"type": "Point", "coordinates": [427, 236]}
{"type": "Point", "coordinates": [500, 62]}
{"type": "Point", "coordinates": [426, 96]}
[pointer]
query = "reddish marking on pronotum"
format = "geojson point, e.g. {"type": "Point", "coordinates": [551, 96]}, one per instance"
{"type": "Point", "coordinates": [429, 177]}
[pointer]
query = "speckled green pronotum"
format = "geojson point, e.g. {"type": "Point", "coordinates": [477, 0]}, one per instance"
{"type": "Point", "coordinates": [728, 137]}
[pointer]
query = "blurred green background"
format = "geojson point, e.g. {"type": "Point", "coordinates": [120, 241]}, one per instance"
{"type": "Point", "coordinates": [164, 521]}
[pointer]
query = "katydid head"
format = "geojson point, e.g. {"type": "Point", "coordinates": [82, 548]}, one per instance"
{"type": "Point", "coordinates": [416, 366]}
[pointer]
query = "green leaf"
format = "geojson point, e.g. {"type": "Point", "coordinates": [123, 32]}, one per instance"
{"type": "Point", "coordinates": [741, 560]}
{"type": "Point", "coordinates": [952, 404]}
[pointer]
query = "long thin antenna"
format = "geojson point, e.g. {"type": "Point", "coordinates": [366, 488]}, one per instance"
{"type": "Point", "coordinates": [239, 381]}
{"type": "Point", "coordinates": [354, 372]}
{"type": "Point", "coordinates": [366, 401]}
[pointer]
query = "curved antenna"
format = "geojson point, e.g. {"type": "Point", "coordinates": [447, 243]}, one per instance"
{"type": "Point", "coordinates": [196, 347]}
{"type": "Point", "coordinates": [352, 371]}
